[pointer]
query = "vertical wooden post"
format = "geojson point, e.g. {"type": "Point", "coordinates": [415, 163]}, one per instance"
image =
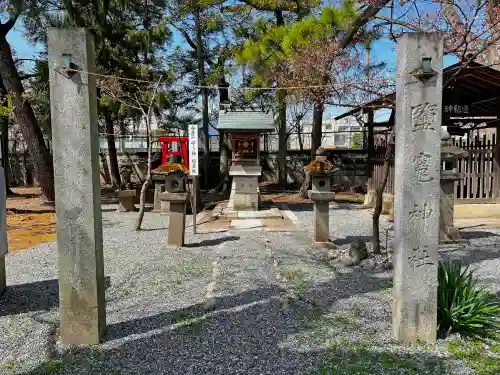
{"type": "Point", "coordinates": [370, 188]}
{"type": "Point", "coordinates": [496, 166]}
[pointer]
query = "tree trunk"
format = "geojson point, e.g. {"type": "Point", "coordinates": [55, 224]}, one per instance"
{"type": "Point", "coordinates": [32, 134]}
{"type": "Point", "coordinates": [379, 193]}
{"type": "Point", "coordinates": [225, 155]}
{"type": "Point", "coordinates": [317, 128]}
{"type": "Point", "coordinates": [281, 96]}
{"type": "Point", "coordinates": [316, 136]}
{"type": "Point", "coordinates": [4, 130]}
{"type": "Point", "coordinates": [113, 159]}
{"type": "Point", "coordinates": [305, 186]}
{"type": "Point", "coordinates": [105, 169]}
{"type": "Point", "coordinates": [282, 148]}
{"type": "Point", "coordinates": [148, 180]}
{"type": "Point", "coordinates": [204, 95]}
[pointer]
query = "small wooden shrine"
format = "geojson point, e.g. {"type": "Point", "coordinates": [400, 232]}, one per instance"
{"type": "Point", "coordinates": [245, 125]}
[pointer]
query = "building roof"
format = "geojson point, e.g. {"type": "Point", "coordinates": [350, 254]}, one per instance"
{"type": "Point", "coordinates": [242, 119]}
{"type": "Point", "coordinates": [476, 86]}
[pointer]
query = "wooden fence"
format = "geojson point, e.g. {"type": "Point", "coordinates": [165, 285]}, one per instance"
{"type": "Point", "coordinates": [479, 172]}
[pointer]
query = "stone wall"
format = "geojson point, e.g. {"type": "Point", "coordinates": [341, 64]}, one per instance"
{"type": "Point", "coordinates": [353, 169]}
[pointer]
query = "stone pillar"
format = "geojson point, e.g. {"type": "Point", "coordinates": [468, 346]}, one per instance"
{"type": "Point", "coordinates": [417, 190]}
{"type": "Point", "coordinates": [75, 140]}
{"type": "Point", "coordinates": [3, 232]}
{"type": "Point", "coordinates": [177, 217]}
{"type": "Point", "coordinates": [159, 188]}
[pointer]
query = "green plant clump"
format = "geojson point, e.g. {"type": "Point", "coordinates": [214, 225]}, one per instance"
{"type": "Point", "coordinates": [463, 306]}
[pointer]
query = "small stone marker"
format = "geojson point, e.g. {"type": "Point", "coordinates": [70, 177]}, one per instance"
{"type": "Point", "coordinates": [3, 231]}
{"type": "Point", "coordinates": [126, 200]}
{"type": "Point", "coordinates": [75, 140]}
{"type": "Point", "coordinates": [417, 190]}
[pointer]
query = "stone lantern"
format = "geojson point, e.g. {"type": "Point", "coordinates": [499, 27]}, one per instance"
{"type": "Point", "coordinates": [177, 197]}
{"type": "Point", "coordinates": [450, 154]}
{"type": "Point", "coordinates": [321, 171]}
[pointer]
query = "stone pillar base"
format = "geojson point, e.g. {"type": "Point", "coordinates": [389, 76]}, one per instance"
{"type": "Point", "coordinates": [164, 207]}
{"type": "Point", "coordinates": [159, 188]}
{"type": "Point", "coordinates": [450, 235]}
{"type": "Point", "coordinates": [176, 224]}
{"type": "Point", "coordinates": [3, 279]}
{"type": "Point", "coordinates": [126, 201]}
{"type": "Point", "coordinates": [369, 198]}
{"type": "Point", "coordinates": [321, 222]}
{"type": "Point", "coordinates": [245, 192]}
{"type": "Point", "coordinates": [177, 217]}
{"type": "Point", "coordinates": [388, 204]}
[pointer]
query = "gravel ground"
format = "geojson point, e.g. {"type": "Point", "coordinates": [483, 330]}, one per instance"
{"type": "Point", "coordinates": [277, 306]}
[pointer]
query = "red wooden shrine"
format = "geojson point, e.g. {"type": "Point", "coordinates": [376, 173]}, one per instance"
{"type": "Point", "coordinates": [166, 141]}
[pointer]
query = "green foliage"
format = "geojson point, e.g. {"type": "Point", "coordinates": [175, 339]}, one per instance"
{"type": "Point", "coordinates": [482, 356]}
{"type": "Point", "coordinates": [463, 306]}
{"type": "Point", "coordinates": [357, 141]}
{"type": "Point", "coordinates": [6, 105]}
{"type": "Point", "coordinates": [271, 45]}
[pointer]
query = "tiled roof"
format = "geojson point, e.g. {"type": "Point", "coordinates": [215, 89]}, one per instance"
{"type": "Point", "coordinates": [247, 118]}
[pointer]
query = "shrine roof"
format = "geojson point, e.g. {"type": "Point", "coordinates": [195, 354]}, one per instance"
{"type": "Point", "coordinates": [475, 87]}
{"type": "Point", "coordinates": [232, 118]}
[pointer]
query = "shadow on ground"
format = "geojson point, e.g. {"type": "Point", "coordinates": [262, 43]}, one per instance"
{"type": "Point", "coordinates": [247, 334]}
{"type": "Point", "coordinates": [469, 235]}
{"type": "Point", "coordinates": [37, 296]}
{"type": "Point", "coordinates": [213, 242]}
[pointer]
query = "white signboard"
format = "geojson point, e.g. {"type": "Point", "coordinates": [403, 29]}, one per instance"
{"type": "Point", "coordinates": [193, 150]}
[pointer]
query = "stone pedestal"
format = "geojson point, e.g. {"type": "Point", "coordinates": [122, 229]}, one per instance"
{"type": "Point", "coordinates": [177, 217]}
{"type": "Point", "coordinates": [245, 187]}
{"type": "Point", "coordinates": [3, 232]}
{"type": "Point", "coordinates": [159, 188]}
{"type": "Point", "coordinates": [75, 142]}
{"type": "Point", "coordinates": [448, 233]}
{"type": "Point", "coordinates": [417, 192]}
{"type": "Point", "coordinates": [126, 200]}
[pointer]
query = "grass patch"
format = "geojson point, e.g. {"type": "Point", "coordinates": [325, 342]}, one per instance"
{"type": "Point", "coordinates": [189, 322]}
{"type": "Point", "coordinates": [480, 355]}
{"type": "Point", "coordinates": [360, 360]}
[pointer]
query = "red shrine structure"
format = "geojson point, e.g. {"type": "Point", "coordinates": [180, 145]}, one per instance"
{"type": "Point", "coordinates": [165, 149]}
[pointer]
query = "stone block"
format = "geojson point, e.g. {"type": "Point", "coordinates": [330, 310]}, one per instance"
{"type": "Point", "coordinates": [321, 196]}
{"type": "Point", "coordinates": [246, 184]}
{"type": "Point", "coordinates": [321, 222]}
{"type": "Point", "coordinates": [175, 197]}
{"type": "Point", "coordinates": [164, 207]}
{"type": "Point", "coordinates": [126, 193]}
{"type": "Point", "coordinates": [244, 169]}
{"type": "Point", "coordinates": [417, 191]}
{"type": "Point", "coordinates": [176, 224]}
{"type": "Point", "coordinates": [126, 200]}
{"type": "Point", "coordinates": [159, 188]}
{"type": "Point", "coordinates": [246, 224]}
{"type": "Point", "coordinates": [321, 183]}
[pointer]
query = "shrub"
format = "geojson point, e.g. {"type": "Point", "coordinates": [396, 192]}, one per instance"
{"type": "Point", "coordinates": [463, 306]}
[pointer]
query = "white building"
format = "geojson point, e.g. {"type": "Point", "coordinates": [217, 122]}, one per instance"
{"type": "Point", "coordinates": [336, 133]}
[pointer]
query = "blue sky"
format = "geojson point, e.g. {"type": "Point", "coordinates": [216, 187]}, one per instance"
{"type": "Point", "coordinates": [382, 50]}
